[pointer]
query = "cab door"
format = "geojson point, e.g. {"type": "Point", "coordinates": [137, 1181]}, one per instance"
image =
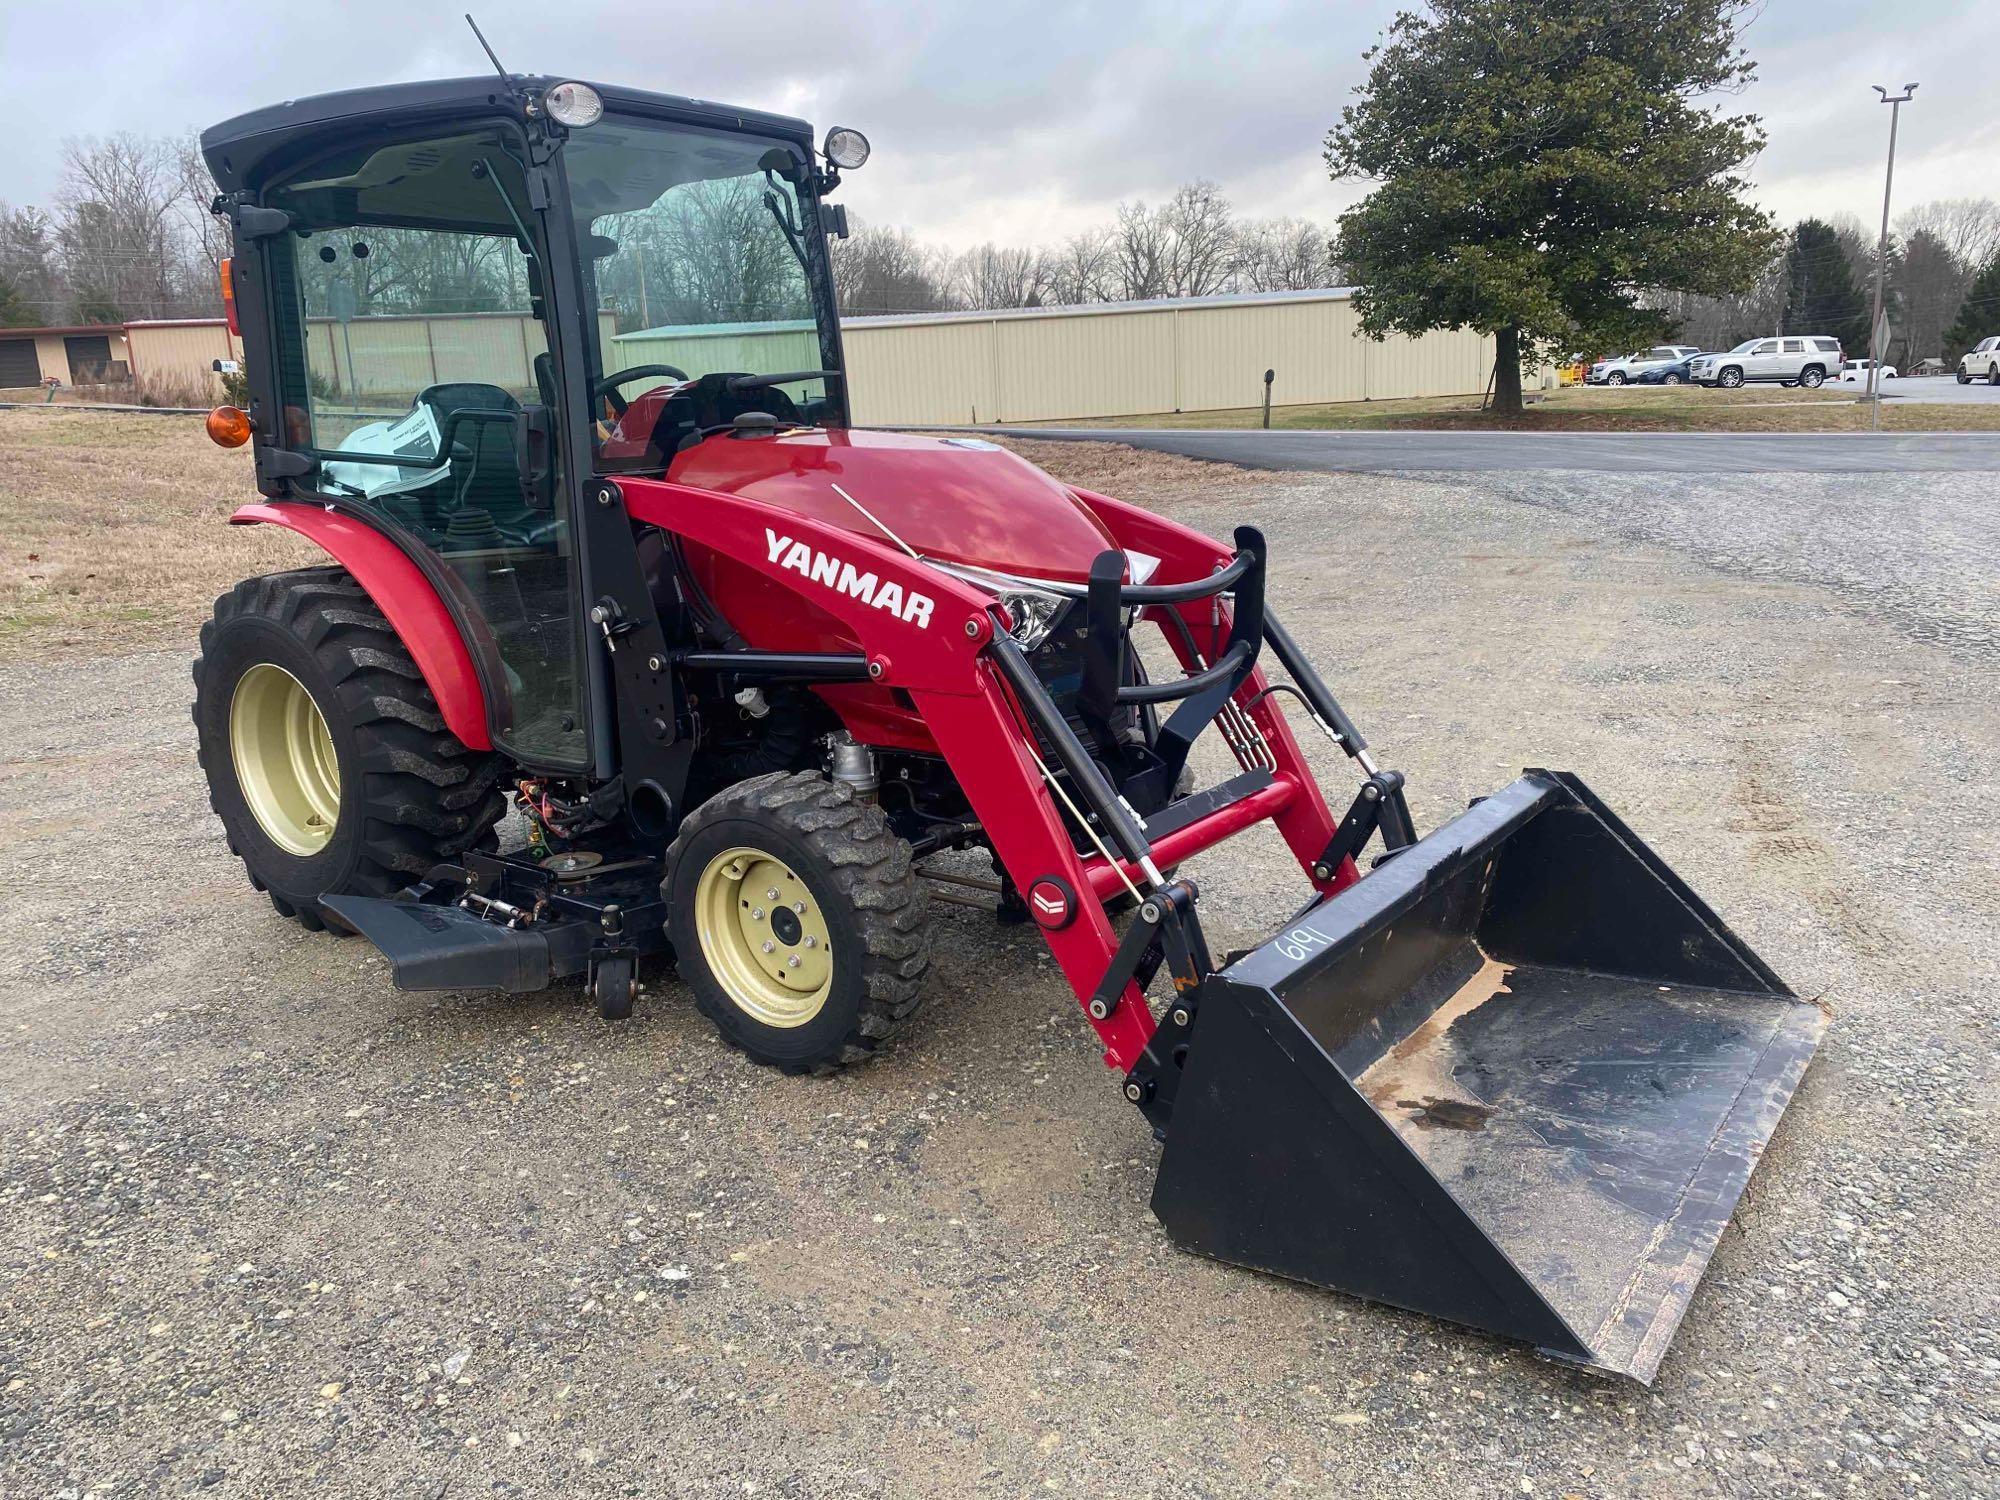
{"type": "Point", "coordinates": [416, 380]}
{"type": "Point", "coordinates": [1762, 362]}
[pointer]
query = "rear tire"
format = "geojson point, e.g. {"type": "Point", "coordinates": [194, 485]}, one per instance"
{"type": "Point", "coordinates": [327, 759]}
{"type": "Point", "coordinates": [1813, 378]}
{"type": "Point", "coordinates": [848, 947]}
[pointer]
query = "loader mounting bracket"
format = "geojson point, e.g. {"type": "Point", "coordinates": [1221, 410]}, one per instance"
{"type": "Point", "coordinates": [1379, 804]}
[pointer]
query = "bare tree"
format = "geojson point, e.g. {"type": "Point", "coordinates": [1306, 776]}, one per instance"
{"type": "Point", "coordinates": [992, 276]}
{"type": "Point", "coordinates": [1201, 241]}
{"type": "Point", "coordinates": [114, 227]}
{"type": "Point", "coordinates": [1084, 269]}
{"type": "Point", "coordinates": [1283, 255]}
{"type": "Point", "coordinates": [1139, 252]}
{"type": "Point", "coordinates": [1968, 228]}
{"type": "Point", "coordinates": [887, 271]}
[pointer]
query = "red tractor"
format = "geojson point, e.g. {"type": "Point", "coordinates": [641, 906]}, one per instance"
{"type": "Point", "coordinates": [553, 373]}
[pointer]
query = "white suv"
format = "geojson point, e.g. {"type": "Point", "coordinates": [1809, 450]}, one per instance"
{"type": "Point", "coordinates": [1623, 371]}
{"type": "Point", "coordinates": [1790, 360]}
{"type": "Point", "coordinates": [1981, 362]}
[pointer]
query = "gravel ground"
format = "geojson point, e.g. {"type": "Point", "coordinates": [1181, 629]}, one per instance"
{"type": "Point", "coordinates": [270, 1228]}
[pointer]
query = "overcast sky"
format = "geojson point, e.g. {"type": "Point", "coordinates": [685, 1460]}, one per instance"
{"type": "Point", "coordinates": [998, 120]}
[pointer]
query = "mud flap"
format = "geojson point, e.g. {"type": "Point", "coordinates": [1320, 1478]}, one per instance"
{"type": "Point", "coordinates": [1517, 1077]}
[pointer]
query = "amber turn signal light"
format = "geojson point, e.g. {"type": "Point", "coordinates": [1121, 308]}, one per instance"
{"type": "Point", "coordinates": [229, 426]}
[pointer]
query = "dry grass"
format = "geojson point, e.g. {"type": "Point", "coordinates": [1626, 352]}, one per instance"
{"type": "Point", "coordinates": [1602, 409]}
{"type": "Point", "coordinates": [115, 531]}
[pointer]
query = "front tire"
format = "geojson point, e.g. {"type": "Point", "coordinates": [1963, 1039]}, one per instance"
{"type": "Point", "coordinates": [821, 973]}
{"type": "Point", "coordinates": [327, 759]}
{"type": "Point", "coordinates": [1670, 380]}
{"type": "Point", "coordinates": [1730, 379]}
{"type": "Point", "coordinates": [1615, 378]}
{"type": "Point", "coordinates": [1993, 374]}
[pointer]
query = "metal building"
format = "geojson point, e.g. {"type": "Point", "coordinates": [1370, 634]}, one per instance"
{"type": "Point", "coordinates": [1105, 360]}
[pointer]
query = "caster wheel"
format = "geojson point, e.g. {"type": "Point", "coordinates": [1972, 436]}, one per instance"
{"type": "Point", "coordinates": [614, 985]}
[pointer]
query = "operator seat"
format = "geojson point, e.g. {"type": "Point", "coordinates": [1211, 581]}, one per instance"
{"type": "Point", "coordinates": [483, 492]}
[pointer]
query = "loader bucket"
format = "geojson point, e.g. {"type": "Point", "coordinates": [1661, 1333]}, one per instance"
{"type": "Point", "coordinates": [1516, 1077]}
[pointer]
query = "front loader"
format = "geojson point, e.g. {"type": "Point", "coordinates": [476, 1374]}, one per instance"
{"type": "Point", "coordinates": [553, 374]}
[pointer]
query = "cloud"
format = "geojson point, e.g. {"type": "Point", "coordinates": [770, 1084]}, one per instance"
{"type": "Point", "coordinates": [1001, 120]}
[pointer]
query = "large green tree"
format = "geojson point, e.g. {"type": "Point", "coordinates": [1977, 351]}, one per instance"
{"type": "Point", "coordinates": [1542, 163]}
{"type": "Point", "coordinates": [1979, 316]}
{"type": "Point", "coordinates": [1821, 295]}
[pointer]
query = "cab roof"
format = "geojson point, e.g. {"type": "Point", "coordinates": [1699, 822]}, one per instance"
{"type": "Point", "coordinates": [246, 150]}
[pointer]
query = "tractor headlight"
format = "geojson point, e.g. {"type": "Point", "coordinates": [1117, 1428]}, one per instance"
{"type": "Point", "coordinates": [1032, 605]}
{"type": "Point", "coordinates": [846, 147]}
{"type": "Point", "coordinates": [1033, 612]}
{"type": "Point", "coordinates": [574, 104]}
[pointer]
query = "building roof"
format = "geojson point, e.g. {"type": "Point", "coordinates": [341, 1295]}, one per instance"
{"type": "Point", "coordinates": [1098, 309]}
{"type": "Point", "coordinates": [28, 333]}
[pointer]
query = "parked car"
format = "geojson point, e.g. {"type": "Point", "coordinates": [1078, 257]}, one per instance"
{"type": "Point", "coordinates": [1981, 362]}
{"type": "Point", "coordinates": [1673, 374]}
{"type": "Point", "coordinates": [1626, 369]}
{"type": "Point", "coordinates": [1855, 371]}
{"type": "Point", "coordinates": [1804, 359]}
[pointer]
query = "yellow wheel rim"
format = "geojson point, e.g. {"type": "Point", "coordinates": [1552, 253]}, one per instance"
{"type": "Point", "coordinates": [764, 937]}
{"type": "Point", "coordinates": [285, 761]}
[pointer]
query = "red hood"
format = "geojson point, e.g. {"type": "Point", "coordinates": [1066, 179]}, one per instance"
{"type": "Point", "coordinates": [958, 499]}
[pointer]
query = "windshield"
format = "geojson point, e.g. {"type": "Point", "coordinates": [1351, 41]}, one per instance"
{"type": "Point", "coordinates": [1746, 346]}
{"type": "Point", "coordinates": [702, 258]}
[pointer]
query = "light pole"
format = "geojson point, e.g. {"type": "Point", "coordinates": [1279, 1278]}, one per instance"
{"type": "Point", "coordinates": [1895, 103]}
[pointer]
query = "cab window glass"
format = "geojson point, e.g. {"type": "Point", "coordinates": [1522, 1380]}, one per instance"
{"type": "Point", "coordinates": [702, 261]}
{"type": "Point", "coordinates": [415, 375]}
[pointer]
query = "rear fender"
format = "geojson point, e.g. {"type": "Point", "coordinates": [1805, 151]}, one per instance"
{"type": "Point", "coordinates": [402, 592]}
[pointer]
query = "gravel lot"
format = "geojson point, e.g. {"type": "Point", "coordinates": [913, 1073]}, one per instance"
{"type": "Point", "coordinates": [270, 1228]}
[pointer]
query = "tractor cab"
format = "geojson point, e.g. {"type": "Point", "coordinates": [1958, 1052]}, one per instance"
{"type": "Point", "coordinates": [461, 302]}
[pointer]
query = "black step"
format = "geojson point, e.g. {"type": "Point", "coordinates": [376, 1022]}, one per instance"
{"type": "Point", "coordinates": [447, 947]}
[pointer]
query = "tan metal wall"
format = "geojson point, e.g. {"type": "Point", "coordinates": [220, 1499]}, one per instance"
{"type": "Point", "coordinates": [1201, 355]}
{"type": "Point", "coordinates": [392, 356]}
{"type": "Point", "coordinates": [1048, 365]}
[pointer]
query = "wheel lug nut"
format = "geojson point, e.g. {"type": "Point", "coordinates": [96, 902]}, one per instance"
{"type": "Point", "coordinates": [792, 962]}
{"type": "Point", "coordinates": [769, 946]}
{"type": "Point", "coordinates": [799, 907]}
{"type": "Point", "coordinates": [811, 941]}
{"type": "Point", "coordinates": [756, 913]}
{"type": "Point", "coordinates": [771, 894]}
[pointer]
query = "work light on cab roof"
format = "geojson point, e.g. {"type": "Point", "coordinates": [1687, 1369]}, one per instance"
{"type": "Point", "coordinates": [608, 553]}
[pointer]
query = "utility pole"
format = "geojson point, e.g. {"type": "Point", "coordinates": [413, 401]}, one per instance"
{"type": "Point", "coordinates": [1895, 103]}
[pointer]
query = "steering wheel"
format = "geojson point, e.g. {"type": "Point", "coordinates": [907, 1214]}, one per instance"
{"type": "Point", "coordinates": [606, 389]}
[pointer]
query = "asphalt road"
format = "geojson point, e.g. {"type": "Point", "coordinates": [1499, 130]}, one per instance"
{"type": "Point", "coordinates": [269, 1228]}
{"type": "Point", "coordinates": [1942, 390]}
{"type": "Point", "coordinates": [1595, 452]}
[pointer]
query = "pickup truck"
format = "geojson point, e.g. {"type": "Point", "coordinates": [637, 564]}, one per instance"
{"type": "Point", "coordinates": [1981, 362]}
{"type": "Point", "coordinates": [1809, 360]}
